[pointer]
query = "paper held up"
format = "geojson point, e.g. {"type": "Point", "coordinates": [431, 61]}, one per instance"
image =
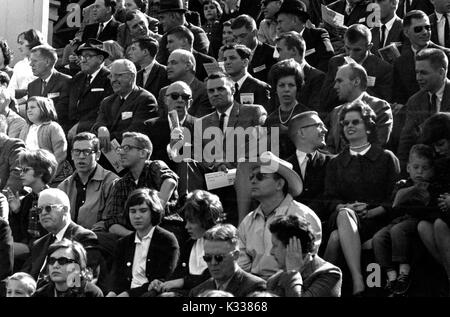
{"type": "Point", "coordinates": [113, 157]}
{"type": "Point", "coordinates": [331, 17]}
{"type": "Point", "coordinates": [215, 67]}
{"type": "Point", "coordinates": [389, 53]}
{"type": "Point", "coordinates": [220, 179]}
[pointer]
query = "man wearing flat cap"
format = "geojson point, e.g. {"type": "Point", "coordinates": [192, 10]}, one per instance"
{"type": "Point", "coordinates": [292, 16]}
{"type": "Point", "coordinates": [274, 183]}
{"type": "Point", "coordinates": [172, 14]}
{"type": "Point", "coordinates": [88, 88]}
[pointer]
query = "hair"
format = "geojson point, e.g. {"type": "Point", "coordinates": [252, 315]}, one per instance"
{"type": "Point", "coordinates": [422, 151]}
{"type": "Point", "coordinates": [187, 58]}
{"type": "Point", "coordinates": [151, 199]}
{"type": "Point", "coordinates": [243, 51]}
{"type": "Point", "coordinates": [182, 32]}
{"type": "Point", "coordinates": [142, 5]}
{"type": "Point", "coordinates": [42, 161]}
{"type": "Point", "coordinates": [47, 108]}
{"type": "Point", "coordinates": [357, 71]}
{"type": "Point", "coordinates": [436, 128]}
{"type": "Point", "coordinates": [27, 281]}
{"type": "Point", "coordinates": [33, 37]}
{"type": "Point", "coordinates": [217, 5]}
{"type": "Point", "coordinates": [141, 140]}
{"type": "Point", "coordinates": [47, 52]}
{"type": "Point", "coordinates": [7, 53]}
{"type": "Point", "coordinates": [111, 4]}
{"type": "Point", "coordinates": [114, 49]}
{"type": "Point", "coordinates": [286, 227]}
{"type": "Point", "coordinates": [367, 115]}
{"type": "Point", "coordinates": [204, 208]}
{"type": "Point", "coordinates": [228, 23]}
{"type": "Point", "coordinates": [149, 44]}
{"type": "Point", "coordinates": [131, 15]}
{"type": "Point", "coordinates": [215, 293]}
{"type": "Point", "coordinates": [4, 79]}
{"type": "Point", "coordinates": [56, 192]}
{"type": "Point", "coordinates": [127, 64]}
{"type": "Point", "coordinates": [413, 14]}
{"type": "Point", "coordinates": [295, 121]}
{"type": "Point", "coordinates": [244, 20]}
{"type": "Point", "coordinates": [218, 75]}
{"type": "Point", "coordinates": [87, 136]}
{"type": "Point", "coordinates": [262, 294]}
{"type": "Point", "coordinates": [223, 232]}
{"type": "Point", "coordinates": [288, 67]}
{"type": "Point", "coordinates": [3, 124]}
{"type": "Point", "coordinates": [436, 57]}
{"type": "Point", "coordinates": [293, 40]}
{"type": "Point", "coordinates": [357, 32]}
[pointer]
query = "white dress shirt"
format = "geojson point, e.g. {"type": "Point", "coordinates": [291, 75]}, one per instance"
{"type": "Point", "coordinates": [140, 259]}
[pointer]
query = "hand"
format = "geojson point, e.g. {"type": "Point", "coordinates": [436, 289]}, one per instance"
{"type": "Point", "coordinates": [169, 285]}
{"type": "Point", "coordinates": [105, 139]}
{"type": "Point", "coordinates": [156, 285]}
{"type": "Point", "coordinates": [13, 199]}
{"type": "Point", "coordinates": [222, 168]}
{"type": "Point", "coordinates": [444, 202]}
{"type": "Point", "coordinates": [175, 136]}
{"type": "Point", "coordinates": [73, 58]}
{"type": "Point", "coordinates": [294, 254]}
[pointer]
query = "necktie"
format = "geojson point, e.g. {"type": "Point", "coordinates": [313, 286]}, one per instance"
{"type": "Point", "coordinates": [44, 84]}
{"type": "Point", "coordinates": [307, 161]}
{"type": "Point", "coordinates": [100, 29]}
{"type": "Point", "coordinates": [447, 31]}
{"type": "Point", "coordinates": [87, 83]}
{"type": "Point", "coordinates": [383, 35]}
{"type": "Point", "coordinates": [236, 87]}
{"type": "Point", "coordinates": [222, 120]}
{"type": "Point", "coordinates": [433, 104]}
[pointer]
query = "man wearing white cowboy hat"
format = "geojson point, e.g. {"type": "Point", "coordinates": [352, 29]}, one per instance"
{"type": "Point", "coordinates": [273, 184]}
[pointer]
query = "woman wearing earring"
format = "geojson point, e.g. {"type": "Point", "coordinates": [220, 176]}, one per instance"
{"type": "Point", "coordinates": [304, 273]}
{"type": "Point", "coordinates": [358, 185]}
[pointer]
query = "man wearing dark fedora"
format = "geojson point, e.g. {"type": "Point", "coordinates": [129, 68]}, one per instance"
{"type": "Point", "coordinates": [274, 183]}
{"type": "Point", "coordinates": [293, 16]}
{"type": "Point", "coordinates": [172, 14]}
{"type": "Point", "coordinates": [89, 87]}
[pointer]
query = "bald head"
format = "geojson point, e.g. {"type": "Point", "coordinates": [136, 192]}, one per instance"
{"type": "Point", "coordinates": [179, 64]}
{"type": "Point", "coordinates": [55, 209]}
{"type": "Point", "coordinates": [179, 98]}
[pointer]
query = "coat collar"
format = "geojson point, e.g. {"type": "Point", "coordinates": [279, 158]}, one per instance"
{"type": "Point", "coordinates": [372, 154]}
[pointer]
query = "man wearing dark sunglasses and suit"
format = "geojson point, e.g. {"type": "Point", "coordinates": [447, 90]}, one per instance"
{"type": "Point", "coordinates": [221, 255]}
{"type": "Point", "coordinates": [54, 215]}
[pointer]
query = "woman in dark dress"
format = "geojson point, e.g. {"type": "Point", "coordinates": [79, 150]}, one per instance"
{"type": "Point", "coordinates": [358, 184]}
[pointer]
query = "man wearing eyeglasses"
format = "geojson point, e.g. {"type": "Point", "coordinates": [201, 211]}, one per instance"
{"type": "Point", "coordinates": [54, 215]}
{"type": "Point", "coordinates": [221, 255]}
{"type": "Point", "coordinates": [267, 31]}
{"type": "Point", "coordinates": [126, 109]}
{"type": "Point", "coordinates": [90, 185]}
{"type": "Point", "coordinates": [88, 88]}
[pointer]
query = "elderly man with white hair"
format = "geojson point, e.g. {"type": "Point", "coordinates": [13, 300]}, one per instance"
{"type": "Point", "coordinates": [126, 109]}
{"type": "Point", "coordinates": [181, 66]}
{"type": "Point", "coordinates": [54, 215]}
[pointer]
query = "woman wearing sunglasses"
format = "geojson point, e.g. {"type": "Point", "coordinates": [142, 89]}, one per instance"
{"type": "Point", "coordinates": [202, 210]}
{"type": "Point", "coordinates": [358, 184]}
{"type": "Point", "coordinates": [68, 275]}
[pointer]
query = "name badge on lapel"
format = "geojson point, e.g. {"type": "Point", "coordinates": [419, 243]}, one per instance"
{"type": "Point", "coordinates": [97, 89]}
{"type": "Point", "coordinates": [259, 68]}
{"type": "Point", "coordinates": [371, 81]}
{"type": "Point", "coordinates": [127, 115]}
{"type": "Point", "coordinates": [310, 52]}
{"type": "Point", "coordinates": [247, 98]}
{"type": "Point", "coordinates": [52, 95]}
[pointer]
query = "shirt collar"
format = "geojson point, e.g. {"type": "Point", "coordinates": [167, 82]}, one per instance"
{"type": "Point", "coordinates": [149, 67]}
{"type": "Point", "coordinates": [60, 234]}
{"type": "Point", "coordinates": [440, 92]}
{"type": "Point", "coordinates": [241, 81]}
{"type": "Point", "coordinates": [148, 236]}
{"type": "Point", "coordinates": [390, 23]}
{"type": "Point", "coordinates": [279, 210]}
{"type": "Point", "coordinates": [302, 155]}
{"type": "Point", "coordinates": [227, 112]}
{"type": "Point", "coordinates": [48, 78]}
{"type": "Point", "coordinates": [95, 74]}
{"type": "Point", "coordinates": [439, 16]}
{"type": "Point", "coordinates": [360, 153]}
{"type": "Point", "coordinates": [106, 22]}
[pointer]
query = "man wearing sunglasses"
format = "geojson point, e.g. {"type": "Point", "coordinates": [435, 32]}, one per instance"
{"type": "Point", "coordinates": [221, 255]}
{"type": "Point", "coordinates": [273, 184]}
{"type": "Point", "coordinates": [54, 215]}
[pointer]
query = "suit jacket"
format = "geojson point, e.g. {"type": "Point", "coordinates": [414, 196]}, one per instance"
{"type": "Point", "coordinates": [200, 60]}
{"type": "Point", "coordinates": [357, 15]}
{"type": "Point", "coordinates": [261, 61]}
{"type": "Point", "coordinates": [259, 89]}
{"type": "Point", "coordinates": [318, 279]}
{"type": "Point", "coordinates": [75, 232]}
{"type": "Point", "coordinates": [56, 89]}
{"type": "Point", "coordinates": [310, 91]}
{"type": "Point", "coordinates": [434, 31]}
{"type": "Point", "coordinates": [384, 123]}
{"type": "Point", "coordinates": [240, 285]}
{"type": "Point", "coordinates": [109, 31]}
{"type": "Point", "coordinates": [156, 80]}
{"type": "Point", "coordinates": [6, 250]}
{"type": "Point", "coordinates": [394, 35]}
{"type": "Point", "coordinates": [405, 84]}
{"type": "Point", "coordinates": [84, 101]}
{"type": "Point", "coordinates": [139, 106]}
{"type": "Point", "coordinates": [318, 47]}
{"type": "Point", "coordinates": [375, 67]}
{"type": "Point", "coordinates": [200, 102]}
{"type": "Point", "coordinates": [10, 149]}
{"type": "Point", "coordinates": [313, 182]}
{"type": "Point", "coordinates": [423, 5]}
{"type": "Point", "coordinates": [162, 258]}
{"type": "Point", "coordinates": [417, 111]}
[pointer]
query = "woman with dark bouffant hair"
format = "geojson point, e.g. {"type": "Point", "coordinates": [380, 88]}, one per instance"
{"type": "Point", "coordinates": [67, 273]}
{"type": "Point", "coordinates": [358, 185]}
{"type": "Point", "coordinates": [5, 58]}
{"type": "Point", "coordinates": [202, 211]}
